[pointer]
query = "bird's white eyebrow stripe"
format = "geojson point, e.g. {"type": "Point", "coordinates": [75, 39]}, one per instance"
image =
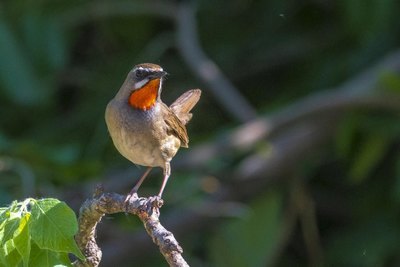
{"type": "Point", "coordinates": [147, 69]}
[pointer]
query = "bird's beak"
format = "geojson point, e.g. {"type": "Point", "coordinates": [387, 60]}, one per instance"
{"type": "Point", "coordinates": [159, 74]}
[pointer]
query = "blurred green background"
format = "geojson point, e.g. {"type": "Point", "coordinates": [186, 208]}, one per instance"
{"type": "Point", "coordinates": [320, 184]}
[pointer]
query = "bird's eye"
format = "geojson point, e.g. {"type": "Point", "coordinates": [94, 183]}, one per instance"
{"type": "Point", "coordinates": [139, 74]}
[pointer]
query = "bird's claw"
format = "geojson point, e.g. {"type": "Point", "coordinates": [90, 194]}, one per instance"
{"type": "Point", "coordinates": [149, 205]}
{"type": "Point", "coordinates": [156, 201]}
{"type": "Point", "coordinates": [154, 204]}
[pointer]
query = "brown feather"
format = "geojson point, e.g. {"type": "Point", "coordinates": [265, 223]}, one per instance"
{"type": "Point", "coordinates": [176, 127]}
{"type": "Point", "coordinates": [184, 104]}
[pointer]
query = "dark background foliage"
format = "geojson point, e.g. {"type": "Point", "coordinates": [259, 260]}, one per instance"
{"type": "Point", "coordinates": [323, 189]}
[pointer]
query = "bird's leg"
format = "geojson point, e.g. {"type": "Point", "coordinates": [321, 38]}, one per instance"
{"type": "Point", "coordinates": [138, 184]}
{"type": "Point", "coordinates": [167, 173]}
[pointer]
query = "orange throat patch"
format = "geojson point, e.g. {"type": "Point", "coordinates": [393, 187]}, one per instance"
{"type": "Point", "coordinates": [145, 97]}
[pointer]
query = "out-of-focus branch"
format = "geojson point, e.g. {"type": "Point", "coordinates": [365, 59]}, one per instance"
{"type": "Point", "coordinates": [147, 209]}
{"type": "Point", "coordinates": [308, 124]}
{"type": "Point", "coordinates": [357, 93]}
{"type": "Point", "coordinates": [193, 54]}
{"type": "Point", "coordinates": [311, 108]}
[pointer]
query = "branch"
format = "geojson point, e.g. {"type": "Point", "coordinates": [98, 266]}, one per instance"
{"type": "Point", "coordinates": [358, 93]}
{"type": "Point", "coordinates": [147, 209]}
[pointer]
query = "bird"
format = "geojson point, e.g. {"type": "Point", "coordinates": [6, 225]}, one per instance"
{"type": "Point", "coordinates": [143, 129]}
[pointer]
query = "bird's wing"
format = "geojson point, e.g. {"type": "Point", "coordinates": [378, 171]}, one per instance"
{"type": "Point", "coordinates": [182, 106]}
{"type": "Point", "coordinates": [175, 125]}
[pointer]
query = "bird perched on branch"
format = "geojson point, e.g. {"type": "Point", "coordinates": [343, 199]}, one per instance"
{"type": "Point", "coordinates": [144, 129]}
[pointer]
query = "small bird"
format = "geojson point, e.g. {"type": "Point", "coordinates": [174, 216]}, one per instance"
{"type": "Point", "coordinates": [144, 129]}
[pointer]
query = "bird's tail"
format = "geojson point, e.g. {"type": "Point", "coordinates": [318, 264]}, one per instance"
{"type": "Point", "coordinates": [184, 104]}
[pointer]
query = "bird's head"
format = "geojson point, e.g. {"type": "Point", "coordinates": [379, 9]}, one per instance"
{"type": "Point", "coordinates": [144, 83]}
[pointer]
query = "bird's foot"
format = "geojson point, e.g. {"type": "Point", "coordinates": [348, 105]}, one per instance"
{"type": "Point", "coordinates": [148, 205]}
{"type": "Point", "coordinates": [156, 201]}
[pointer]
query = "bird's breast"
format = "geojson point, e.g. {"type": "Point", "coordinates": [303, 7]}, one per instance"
{"type": "Point", "coordinates": [141, 136]}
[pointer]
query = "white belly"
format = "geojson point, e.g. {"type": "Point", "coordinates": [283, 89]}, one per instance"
{"type": "Point", "coordinates": [137, 150]}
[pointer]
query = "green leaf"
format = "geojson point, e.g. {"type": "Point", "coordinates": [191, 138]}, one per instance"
{"type": "Point", "coordinates": [53, 226]}
{"type": "Point", "coordinates": [4, 215]}
{"type": "Point", "coordinates": [9, 255]}
{"type": "Point", "coordinates": [22, 240]}
{"type": "Point", "coordinates": [9, 228]}
{"type": "Point", "coordinates": [257, 234]}
{"type": "Point", "coordinates": [45, 257]}
{"type": "Point", "coordinates": [370, 154]}
{"type": "Point", "coordinates": [2, 211]}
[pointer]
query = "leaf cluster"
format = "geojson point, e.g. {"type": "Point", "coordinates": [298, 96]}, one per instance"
{"type": "Point", "coordinates": [37, 232]}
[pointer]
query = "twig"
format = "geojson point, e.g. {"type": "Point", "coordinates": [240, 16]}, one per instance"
{"type": "Point", "coordinates": [147, 209]}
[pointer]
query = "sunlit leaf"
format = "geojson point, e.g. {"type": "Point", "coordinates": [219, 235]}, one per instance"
{"type": "Point", "coordinates": [45, 257]}
{"type": "Point", "coordinates": [9, 228]}
{"type": "Point", "coordinates": [9, 254]}
{"type": "Point", "coordinates": [53, 226]}
{"type": "Point", "coordinates": [22, 240]}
